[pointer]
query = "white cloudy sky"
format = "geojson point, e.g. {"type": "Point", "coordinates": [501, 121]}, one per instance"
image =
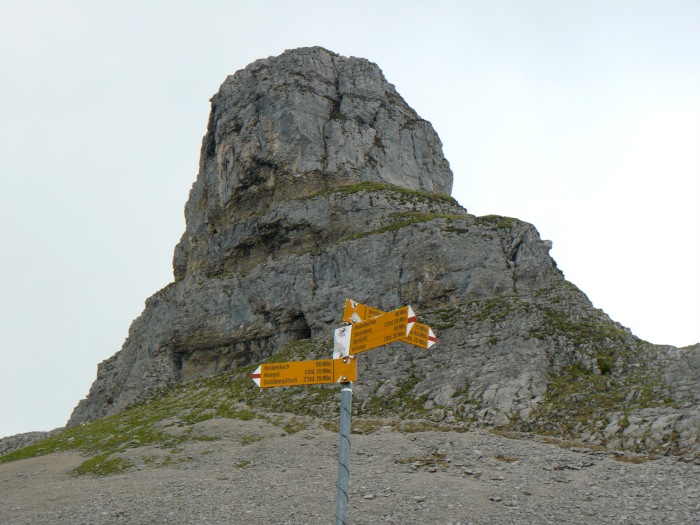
{"type": "Point", "coordinates": [580, 117]}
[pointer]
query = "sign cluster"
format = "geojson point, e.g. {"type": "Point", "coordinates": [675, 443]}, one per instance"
{"type": "Point", "coordinates": [367, 328]}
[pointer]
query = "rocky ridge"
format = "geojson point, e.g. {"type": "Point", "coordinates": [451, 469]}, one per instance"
{"type": "Point", "coordinates": [318, 182]}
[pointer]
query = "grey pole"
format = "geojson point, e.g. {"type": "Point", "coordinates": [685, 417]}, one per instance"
{"type": "Point", "coordinates": [341, 507]}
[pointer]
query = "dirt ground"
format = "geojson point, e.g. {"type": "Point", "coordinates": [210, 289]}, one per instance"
{"type": "Point", "coordinates": [253, 472]}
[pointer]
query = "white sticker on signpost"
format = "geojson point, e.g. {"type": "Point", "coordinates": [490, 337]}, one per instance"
{"type": "Point", "coordinates": [341, 342]}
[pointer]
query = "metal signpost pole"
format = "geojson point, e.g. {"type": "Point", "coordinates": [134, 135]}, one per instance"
{"type": "Point", "coordinates": [341, 508]}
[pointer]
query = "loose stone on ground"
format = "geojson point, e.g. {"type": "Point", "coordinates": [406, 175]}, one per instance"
{"type": "Point", "coordinates": [276, 479]}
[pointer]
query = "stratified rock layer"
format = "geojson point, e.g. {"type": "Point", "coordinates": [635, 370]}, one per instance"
{"type": "Point", "coordinates": [293, 125]}
{"type": "Point", "coordinates": [318, 182]}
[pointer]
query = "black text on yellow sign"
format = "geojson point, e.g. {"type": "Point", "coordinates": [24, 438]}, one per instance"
{"type": "Point", "coordinates": [300, 373]}
{"type": "Point", "coordinates": [379, 331]}
{"type": "Point", "coordinates": [421, 335]}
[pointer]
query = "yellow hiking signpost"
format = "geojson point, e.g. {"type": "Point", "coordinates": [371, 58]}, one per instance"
{"type": "Point", "coordinates": [367, 328]}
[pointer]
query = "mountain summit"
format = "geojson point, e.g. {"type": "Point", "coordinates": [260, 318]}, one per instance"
{"type": "Point", "coordinates": [318, 182]}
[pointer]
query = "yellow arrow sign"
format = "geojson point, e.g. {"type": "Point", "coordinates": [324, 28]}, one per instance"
{"type": "Point", "coordinates": [381, 330]}
{"type": "Point", "coordinates": [356, 312]}
{"type": "Point", "coordinates": [421, 335]}
{"type": "Point", "coordinates": [300, 373]}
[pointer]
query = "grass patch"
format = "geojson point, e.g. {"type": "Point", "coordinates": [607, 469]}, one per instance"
{"type": "Point", "coordinates": [103, 465]}
{"type": "Point", "coordinates": [251, 438]}
{"type": "Point", "coordinates": [366, 426]}
{"type": "Point", "coordinates": [229, 395]}
{"type": "Point", "coordinates": [494, 309]}
{"type": "Point", "coordinates": [581, 399]}
{"type": "Point", "coordinates": [205, 438]}
{"type": "Point", "coordinates": [445, 317]}
{"type": "Point", "coordinates": [401, 401]}
{"type": "Point", "coordinates": [635, 459]}
{"type": "Point", "coordinates": [404, 220]}
{"type": "Point", "coordinates": [495, 222]}
{"type": "Point", "coordinates": [436, 459]}
{"type": "Point", "coordinates": [606, 363]}
{"type": "Point", "coordinates": [411, 427]}
{"type": "Point", "coordinates": [375, 187]}
{"type": "Point", "coordinates": [294, 425]}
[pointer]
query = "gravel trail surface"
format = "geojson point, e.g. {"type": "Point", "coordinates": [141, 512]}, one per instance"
{"type": "Point", "coordinates": [253, 472]}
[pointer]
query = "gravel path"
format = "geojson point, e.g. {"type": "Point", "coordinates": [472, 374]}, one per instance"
{"type": "Point", "coordinates": [255, 473]}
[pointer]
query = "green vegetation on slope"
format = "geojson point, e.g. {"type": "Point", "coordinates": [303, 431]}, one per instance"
{"type": "Point", "coordinates": [229, 395]}
{"type": "Point", "coordinates": [600, 370]}
{"type": "Point", "coordinates": [374, 187]}
{"type": "Point", "coordinates": [232, 395]}
{"type": "Point", "coordinates": [402, 220]}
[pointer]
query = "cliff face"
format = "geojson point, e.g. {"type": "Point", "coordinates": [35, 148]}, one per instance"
{"type": "Point", "coordinates": [290, 126]}
{"type": "Point", "coordinates": [318, 182]}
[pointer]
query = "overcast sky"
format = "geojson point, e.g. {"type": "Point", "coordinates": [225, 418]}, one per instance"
{"type": "Point", "coordinates": [582, 118]}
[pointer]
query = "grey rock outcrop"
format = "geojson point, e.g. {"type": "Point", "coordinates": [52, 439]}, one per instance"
{"type": "Point", "coordinates": [11, 443]}
{"type": "Point", "coordinates": [296, 124]}
{"type": "Point", "coordinates": [318, 182]}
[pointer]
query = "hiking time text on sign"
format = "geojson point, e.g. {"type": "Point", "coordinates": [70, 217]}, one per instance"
{"type": "Point", "coordinates": [300, 373]}
{"type": "Point", "coordinates": [421, 335]}
{"type": "Point", "coordinates": [381, 330]}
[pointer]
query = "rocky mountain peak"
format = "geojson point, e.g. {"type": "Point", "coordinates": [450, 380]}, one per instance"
{"type": "Point", "coordinates": [289, 126]}
{"type": "Point", "coordinates": [318, 183]}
